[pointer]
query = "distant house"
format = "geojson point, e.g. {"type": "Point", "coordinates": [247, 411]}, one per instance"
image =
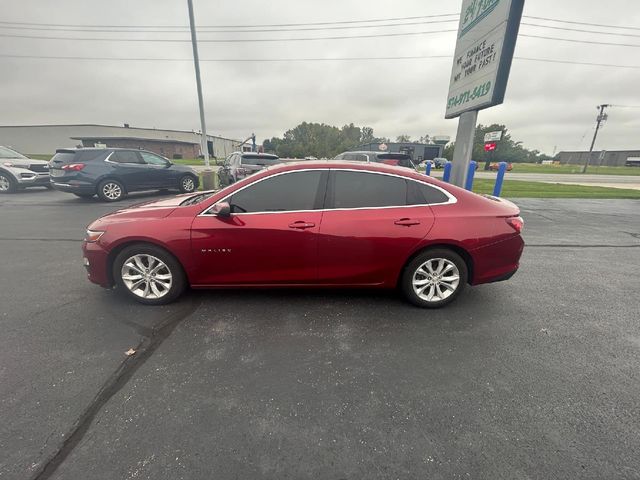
{"type": "Point", "coordinates": [45, 139]}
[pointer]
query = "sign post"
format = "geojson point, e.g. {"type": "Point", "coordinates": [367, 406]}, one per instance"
{"type": "Point", "coordinates": [486, 41]}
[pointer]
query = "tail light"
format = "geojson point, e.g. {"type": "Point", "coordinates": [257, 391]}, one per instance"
{"type": "Point", "coordinates": [73, 167]}
{"type": "Point", "coordinates": [516, 223]}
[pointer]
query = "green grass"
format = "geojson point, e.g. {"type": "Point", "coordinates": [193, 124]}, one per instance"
{"type": "Point", "coordinates": [522, 189]}
{"type": "Point", "coordinates": [539, 168]}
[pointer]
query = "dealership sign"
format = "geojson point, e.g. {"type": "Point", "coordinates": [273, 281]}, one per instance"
{"type": "Point", "coordinates": [486, 40]}
{"type": "Point", "coordinates": [493, 136]}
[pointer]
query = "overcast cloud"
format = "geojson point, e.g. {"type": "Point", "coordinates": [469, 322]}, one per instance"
{"type": "Point", "coordinates": [546, 105]}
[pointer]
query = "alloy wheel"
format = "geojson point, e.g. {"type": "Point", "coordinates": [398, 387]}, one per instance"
{"type": "Point", "coordinates": [188, 185]}
{"type": "Point", "coordinates": [146, 276]}
{"type": "Point", "coordinates": [112, 190]}
{"type": "Point", "coordinates": [436, 279]}
{"type": "Point", "coordinates": [5, 185]}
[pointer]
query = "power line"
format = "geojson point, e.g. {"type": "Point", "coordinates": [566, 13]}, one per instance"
{"type": "Point", "coordinates": [300, 39]}
{"type": "Point", "coordinates": [591, 42]}
{"type": "Point", "coordinates": [308, 59]}
{"type": "Point", "coordinates": [566, 29]}
{"type": "Point", "coordinates": [204, 30]}
{"type": "Point", "coordinates": [582, 23]}
{"type": "Point", "coordinates": [228, 40]}
{"type": "Point", "coordinates": [240, 26]}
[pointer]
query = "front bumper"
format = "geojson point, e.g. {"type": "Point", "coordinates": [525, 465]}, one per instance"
{"type": "Point", "coordinates": [27, 178]}
{"type": "Point", "coordinates": [96, 261]}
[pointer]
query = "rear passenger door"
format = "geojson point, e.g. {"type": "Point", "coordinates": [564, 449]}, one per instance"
{"type": "Point", "coordinates": [128, 167]}
{"type": "Point", "coordinates": [370, 226]}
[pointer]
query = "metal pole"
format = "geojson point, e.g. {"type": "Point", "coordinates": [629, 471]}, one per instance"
{"type": "Point", "coordinates": [595, 134]}
{"type": "Point", "coordinates": [196, 62]}
{"type": "Point", "coordinates": [463, 147]}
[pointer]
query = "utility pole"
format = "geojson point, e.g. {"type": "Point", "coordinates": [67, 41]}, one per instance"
{"type": "Point", "coordinates": [196, 62]}
{"type": "Point", "coordinates": [601, 117]}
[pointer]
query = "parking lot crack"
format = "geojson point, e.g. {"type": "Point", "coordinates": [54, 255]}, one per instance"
{"type": "Point", "coordinates": [116, 381]}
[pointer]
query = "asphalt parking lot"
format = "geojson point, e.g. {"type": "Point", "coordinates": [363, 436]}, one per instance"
{"type": "Point", "coordinates": [536, 377]}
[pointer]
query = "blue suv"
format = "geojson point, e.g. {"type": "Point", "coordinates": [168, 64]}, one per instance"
{"type": "Point", "coordinates": [111, 173]}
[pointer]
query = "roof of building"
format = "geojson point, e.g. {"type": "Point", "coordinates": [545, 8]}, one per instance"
{"type": "Point", "coordinates": [146, 139]}
{"type": "Point", "coordinates": [117, 126]}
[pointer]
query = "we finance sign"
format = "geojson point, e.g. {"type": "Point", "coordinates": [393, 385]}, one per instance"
{"type": "Point", "coordinates": [487, 35]}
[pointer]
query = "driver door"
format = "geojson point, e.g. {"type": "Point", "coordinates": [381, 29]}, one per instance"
{"type": "Point", "coordinates": [270, 237]}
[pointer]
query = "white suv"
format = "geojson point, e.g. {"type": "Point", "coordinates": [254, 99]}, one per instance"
{"type": "Point", "coordinates": [18, 171]}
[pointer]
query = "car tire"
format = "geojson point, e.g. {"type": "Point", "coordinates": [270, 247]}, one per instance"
{"type": "Point", "coordinates": [187, 184]}
{"type": "Point", "coordinates": [7, 183]}
{"type": "Point", "coordinates": [434, 278]}
{"type": "Point", "coordinates": [84, 195]}
{"type": "Point", "coordinates": [111, 191]}
{"type": "Point", "coordinates": [149, 274]}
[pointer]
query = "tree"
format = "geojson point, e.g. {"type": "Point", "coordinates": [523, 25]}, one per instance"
{"type": "Point", "coordinates": [403, 138]}
{"type": "Point", "coordinates": [425, 139]}
{"type": "Point", "coordinates": [319, 140]}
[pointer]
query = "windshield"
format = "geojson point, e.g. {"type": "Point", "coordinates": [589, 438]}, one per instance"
{"type": "Point", "coordinates": [198, 198]}
{"type": "Point", "coordinates": [8, 153]}
{"type": "Point", "coordinates": [259, 160]}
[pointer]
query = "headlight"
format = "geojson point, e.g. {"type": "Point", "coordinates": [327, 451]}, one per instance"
{"type": "Point", "coordinates": [8, 164]}
{"type": "Point", "coordinates": [93, 236]}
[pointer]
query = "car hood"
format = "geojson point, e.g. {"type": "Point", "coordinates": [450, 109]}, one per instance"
{"type": "Point", "coordinates": [22, 162]}
{"type": "Point", "coordinates": [153, 209]}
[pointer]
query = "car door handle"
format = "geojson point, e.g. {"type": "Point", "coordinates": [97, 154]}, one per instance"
{"type": "Point", "coordinates": [301, 225]}
{"type": "Point", "coordinates": [406, 222]}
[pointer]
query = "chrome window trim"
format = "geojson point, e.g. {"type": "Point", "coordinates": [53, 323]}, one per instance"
{"type": "Point", "coordinates": [451, 198]}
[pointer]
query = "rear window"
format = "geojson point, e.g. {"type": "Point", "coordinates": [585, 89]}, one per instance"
{"type": "Point", "coordinates": [259, 160]}
{"type": "Point", "coordinates": [366, 190]}
{"type": "Point", "coordinates": [401, 159]}
{"type": "Point", "coordinates": [422, 194]}
{"type": "Point", "coordinates": [79, 156]}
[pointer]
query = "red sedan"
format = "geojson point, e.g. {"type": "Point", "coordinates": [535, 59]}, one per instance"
{"type": "Point", "coordinates": [311, 224]}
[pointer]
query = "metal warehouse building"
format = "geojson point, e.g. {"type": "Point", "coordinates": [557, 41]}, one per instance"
{"type": "Point", "coordinates": [45, 139]}
{"type": "Point", "coordinates": [613, 158]}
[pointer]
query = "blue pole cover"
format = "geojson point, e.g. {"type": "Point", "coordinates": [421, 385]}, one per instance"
{"type": "Point", "coordinates": [472, 170]}
{"type": "Point", "coordinates": [447, 171]}
{"type": "Point", "coordinates": [502, 168]}
{"type": "Point", "coordinates": [427, 168]}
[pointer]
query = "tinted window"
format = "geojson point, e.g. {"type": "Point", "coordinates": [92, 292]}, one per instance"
{"type": "Point", "coordinates": [362, 189]}
{"type": "Point", "coordinates": [400, 159]}
{"type": "Point", "coordinates": [290, 191]}
{"type": "Point", "coordinates": [64, 157]}
{"type": "Point", "coordinates": [421, 194]}
{"type": "Point", "coordinates": [356, 157]}
{"type": "Point", "coordinates": [124, 156]}
{"type": "Point", "coordinates": [152, 159]}
{"type": "Point", "coordinates": [259, 160]}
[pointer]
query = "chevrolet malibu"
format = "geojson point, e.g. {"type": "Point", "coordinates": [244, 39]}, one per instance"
{"type": "Point", "coordinates": [311, 224]}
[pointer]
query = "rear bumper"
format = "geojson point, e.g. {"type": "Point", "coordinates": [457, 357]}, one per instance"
{"type": "Point", "coordinates": [73, 186]}
{"type": "Point", "coordinates": [96, 262]}
{"type": "Point", "coordinates": [497, 262]}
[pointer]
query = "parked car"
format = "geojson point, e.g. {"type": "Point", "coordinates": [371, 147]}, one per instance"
{"type": "Point", "coordinates": [18, 171]}
{"type": "Point", "coordinates": [240, 165]}
{"type": "Point", "coordinates": [310, 224]}
{"type": "Point", "coordinates": [396, 159]}
{"type": "Point", "coordinates": [112, 173]}
{"type": "Point", "coordinates": [439, 162]}
{"type": "Point", "coordinates": [495, 166]}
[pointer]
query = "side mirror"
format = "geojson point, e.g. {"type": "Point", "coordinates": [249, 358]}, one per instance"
{"type": "Point", "coordinates": [221, 209]}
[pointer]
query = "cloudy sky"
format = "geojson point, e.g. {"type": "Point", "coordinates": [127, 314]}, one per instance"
{"type": "Point", "coordinates": [547, 104]}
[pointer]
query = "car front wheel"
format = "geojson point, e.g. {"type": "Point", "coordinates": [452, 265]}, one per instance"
{"type": "Point", "coordinates": [7, 184]}
{"type": "Point", "coordinates": [149, 274]}
{"type": "Point", "coordinates": [434, 278]}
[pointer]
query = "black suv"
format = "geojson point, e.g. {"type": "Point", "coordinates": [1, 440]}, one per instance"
{"type": "Point", "coordinates": [111, 173]}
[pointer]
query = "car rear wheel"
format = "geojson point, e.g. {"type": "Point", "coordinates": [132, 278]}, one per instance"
{"type": "Point", "coordinates": [111, 191]}
{"type": "Point", "coordinates": [187, 184]}
{"type": "Point", "coordinates": [149, 274]}
{"type": "Point", "coordinates": [434, 278]}
{"type": "Point", "coordinates": [7, 184]}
